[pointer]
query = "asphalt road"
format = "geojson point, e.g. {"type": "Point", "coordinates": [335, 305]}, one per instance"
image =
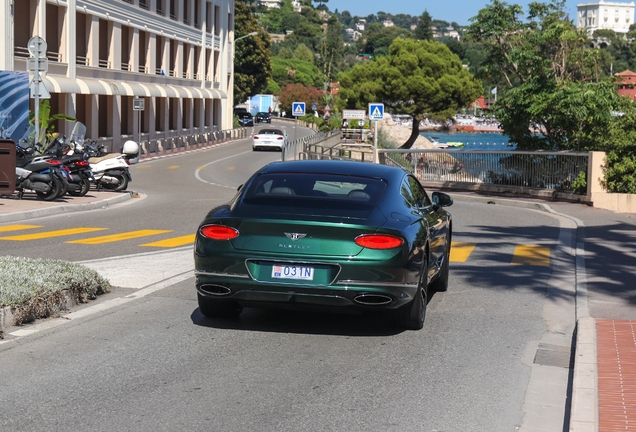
{"type": "Point", "coordinates": [144, 358]}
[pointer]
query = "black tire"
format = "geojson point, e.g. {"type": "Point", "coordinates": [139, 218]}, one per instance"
{"type": "Point", "coordinates": [218, 309]}
{"type": "Point", "coordinates": [412, 315]}
{"type": "Point", "coordinates": [56, 188]}
{"type": "Point", "coordinates": [85, 185]}
{"type": "Point", "coordinates": [122, 182]}
{"type": "Point", "coordinates": [440, 284]}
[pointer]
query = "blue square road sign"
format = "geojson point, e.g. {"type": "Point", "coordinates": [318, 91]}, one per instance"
{"type": "Point", "coordinates": [298, 109]}
{"type": "Point", "coordinates": [376, 111]}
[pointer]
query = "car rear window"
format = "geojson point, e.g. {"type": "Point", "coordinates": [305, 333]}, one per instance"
{"type": "Point", "coordinates": [314, 193]}
{"type": "Point", "coordinates": [270, 132]}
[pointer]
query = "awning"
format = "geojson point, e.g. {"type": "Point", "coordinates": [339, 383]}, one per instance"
{"type": "Point", "coordinates": [62, 84]}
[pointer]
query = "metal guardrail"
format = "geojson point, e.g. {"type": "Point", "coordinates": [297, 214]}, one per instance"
{"type": "Point", "coordinates": [299, 148]}
{"type": "Point", "coordinates": [543, 170]}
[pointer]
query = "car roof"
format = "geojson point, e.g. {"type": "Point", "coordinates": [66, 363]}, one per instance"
{"type": "Point", "coordinates": [270, 131]}
{"type": "Point", "coordinates": [363, 169]}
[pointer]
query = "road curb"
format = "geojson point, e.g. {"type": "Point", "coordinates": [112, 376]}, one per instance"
{"type": "Point", "coordinates": [66, 208]}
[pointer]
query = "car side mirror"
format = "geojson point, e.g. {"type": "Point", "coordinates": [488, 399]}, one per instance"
{"type": "Point", "coordinates": [441, 199]}
{"type": "Point", "coordinates": [238, 189]}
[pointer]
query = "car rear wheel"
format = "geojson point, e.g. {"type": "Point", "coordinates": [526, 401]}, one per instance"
{"type": "Point", "coordinates": [411, 316]}
{"type": "Point", "coordinates": [441, 283]}
{"type": "Point", "coordinates": [218, 309]}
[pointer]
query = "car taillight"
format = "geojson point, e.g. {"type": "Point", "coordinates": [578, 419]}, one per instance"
{"type": "Point", "coordinates": [256, 137]}
{"type": "Point", "coordinates": [218, 232]}
{"type": "Point", "coordinates": [379, 241]}
{"type": "Point", "coordinates": [279, 138]}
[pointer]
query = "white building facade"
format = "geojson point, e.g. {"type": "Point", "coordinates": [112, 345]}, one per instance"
{"type": "Point", "coordinates": [602, 15]}
{"type": "Point", "coordinates": [176, 55]}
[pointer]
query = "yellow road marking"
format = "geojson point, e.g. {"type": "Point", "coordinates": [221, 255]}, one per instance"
{"type": "Point", "coordinates": [202, 167]}
{"type": "Point", "coordinates": [17, 227]}
{"type": "Point", "coordinates": [118, 237]}
{"type": "Point", "coordinates": [142, 166]}
{"type": "Point", "coordinates": [532, 255]}
{"type": "Point", "coordinates": [173, 242]}
{"type": "Point", "coordinates": [173, 167]}
{"type": "Point", "coordinates": [49, 234]}
{"type": "Point", "coordinates": [461, 251]}
{"type": "Point", "coordinates": [231, 168]}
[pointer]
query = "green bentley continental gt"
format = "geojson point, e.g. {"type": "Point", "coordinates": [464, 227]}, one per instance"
{"type": "Point", "coordinates": [327, 234]}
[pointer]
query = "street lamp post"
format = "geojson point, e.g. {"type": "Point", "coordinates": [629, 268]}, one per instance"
{"type": "Point", "coordinates": [243, 37]}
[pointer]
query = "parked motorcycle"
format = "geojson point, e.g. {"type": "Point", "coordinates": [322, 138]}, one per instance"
{"type": "Point", "coordinates": [80, 175]}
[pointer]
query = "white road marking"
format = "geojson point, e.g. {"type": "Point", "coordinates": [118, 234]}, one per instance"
{"type": "Point", "coordinates": [198, 176]}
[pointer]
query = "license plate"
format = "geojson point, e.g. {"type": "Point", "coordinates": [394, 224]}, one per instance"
{"type": "Point", "coordinates": [292, 272]}
{"type": "Point", "coordinates": [267, 142]}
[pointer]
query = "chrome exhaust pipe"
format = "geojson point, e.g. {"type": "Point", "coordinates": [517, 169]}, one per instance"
{"type": "Point", "coordinates": [373, 299]}
{"type": "Point", "coordinates": [215, 290]}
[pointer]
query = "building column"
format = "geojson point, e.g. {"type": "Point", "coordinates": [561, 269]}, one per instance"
{"type": "Point", "coordinates": [6, 35]}
{"type": "Point", "coordinates": [92, 116]}
{"type": "Point", "coordinates": [93, 42]}
{"type": "Point", "coordinates": [113, 114]}
{"type": "Point", "coordinates": [134, 50]}
{"type": "Point", "coordinates": [114, 54]}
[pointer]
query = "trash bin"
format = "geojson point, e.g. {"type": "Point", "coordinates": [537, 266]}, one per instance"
{"type": "Point", "coordinates": [7, 166]}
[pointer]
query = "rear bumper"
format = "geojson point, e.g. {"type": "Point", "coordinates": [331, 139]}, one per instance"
{"type": "Point", "coordinates": [342, 294]}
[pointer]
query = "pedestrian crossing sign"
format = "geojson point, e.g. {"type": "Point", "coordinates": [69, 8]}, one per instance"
{"type": "Point", "coordinates": [376, 111]}
{"type": "Point", "coordinates": [298, 109]}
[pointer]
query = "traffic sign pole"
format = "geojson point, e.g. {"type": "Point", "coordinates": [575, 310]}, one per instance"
{"type": "Point", "coordinates": [376, 112]}
{"type": "Point", "coordinates": [37, 48]}
{"type": "Point", "coordinates": [298, 110]}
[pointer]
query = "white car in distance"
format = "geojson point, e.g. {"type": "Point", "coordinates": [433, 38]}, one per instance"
{"type": "Point", "coordinates": [269, 138]}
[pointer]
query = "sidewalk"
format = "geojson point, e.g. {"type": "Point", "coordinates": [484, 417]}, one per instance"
{"type": "Point", "coordinates": [604, 379]}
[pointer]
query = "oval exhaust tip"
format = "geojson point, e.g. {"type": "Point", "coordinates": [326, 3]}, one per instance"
{"type": "Point", "coordinates": [373, 299]}
{"type": "Point", "coordinates": [216, 290]}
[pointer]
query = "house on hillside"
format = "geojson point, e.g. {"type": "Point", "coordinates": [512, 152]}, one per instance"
{"type": "Point", "coordinates": [360, 25]}
{"type": "Point", "coordinates": [270, 3]}
{"type": "Point", "coordinates": [388, 23]}
{"type": "Point", "coordinates": [605, 15]}
{"type": "Point", "coordinates": [626, 84]}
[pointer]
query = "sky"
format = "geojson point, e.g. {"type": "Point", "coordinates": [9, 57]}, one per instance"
{"type": "Point", "coordinates": [459, 11]}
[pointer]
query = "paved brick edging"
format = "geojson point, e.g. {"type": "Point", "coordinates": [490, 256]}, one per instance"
{"type": "Point", "coordinates": [616, 342]}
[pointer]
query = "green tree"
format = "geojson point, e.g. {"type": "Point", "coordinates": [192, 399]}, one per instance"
{"type": "Point", "coordinates": [551, 79]}
{"type": "Point", "coordinates": [619, 143]}
{"type": "Point", "coordinates": [332, 50]}
{"type": "Point", "coordinates": [295, 71]}
{"type": "Point", "coordinates": [291, 93]}
{"type": "Point", "coordinates": [377, 38]}
{"type": "Point", "coordinates": [252, 65]}
{"type": "Point", "coordinates": [423, 31]}
{"type": "Point", "coordinates": [418, 78]}
{"type": "Point", "coordinates": [303, 53]}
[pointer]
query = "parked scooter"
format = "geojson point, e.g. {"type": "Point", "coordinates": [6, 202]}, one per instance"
{"type": "Point", "coordinates": [41, 174]}
{"type": "Point", "coordinates": [110, 170]}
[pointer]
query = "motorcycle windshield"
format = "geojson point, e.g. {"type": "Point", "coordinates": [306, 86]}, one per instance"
{"type": "Point", "coordinates": [78, 135]}
{"type": "Point", "coordinates": [28, 139]}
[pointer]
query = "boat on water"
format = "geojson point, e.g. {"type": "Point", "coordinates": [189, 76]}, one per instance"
{"type": "Point", "coordinates": [446, 145]}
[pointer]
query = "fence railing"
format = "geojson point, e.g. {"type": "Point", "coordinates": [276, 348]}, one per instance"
{"type": "Point", "coordinates": [543, 170]}
{"type": "Point", "coordinates": [297, 149]}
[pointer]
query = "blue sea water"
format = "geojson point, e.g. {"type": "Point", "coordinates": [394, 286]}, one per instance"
{"type": "Point", "coordinates": [473, 141]}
